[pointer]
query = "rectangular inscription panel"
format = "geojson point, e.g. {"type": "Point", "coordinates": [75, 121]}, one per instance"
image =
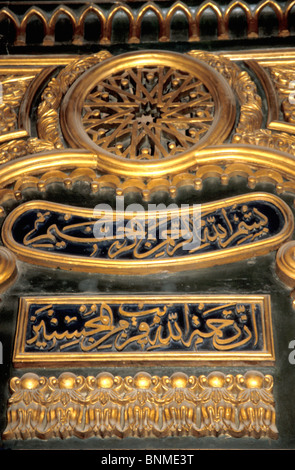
{"type": "Point", "coordinates": [143, 329]}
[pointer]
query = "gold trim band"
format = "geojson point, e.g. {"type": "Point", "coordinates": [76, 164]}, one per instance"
{"type": "Point", "coordinates": [141, 406]}
{"type": "Point", "coordinates": [106, 18]}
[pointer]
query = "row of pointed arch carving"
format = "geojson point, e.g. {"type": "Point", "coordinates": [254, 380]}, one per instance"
{"type": "Point", "coordinates": [164, 16]}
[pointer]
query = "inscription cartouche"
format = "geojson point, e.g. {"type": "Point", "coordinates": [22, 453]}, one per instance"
{"type": "Point", "coordinates": [146, 329]}
{"type": "Point", "coordinates": [220, 232]}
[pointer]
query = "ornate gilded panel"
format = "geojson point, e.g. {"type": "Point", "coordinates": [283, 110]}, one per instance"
{"type": "Point", "coordinates": [102, 240]}
{"type": "Point", "coordinates": [147, 231]}
{"type": "Point", "coordinates": [175, 330]}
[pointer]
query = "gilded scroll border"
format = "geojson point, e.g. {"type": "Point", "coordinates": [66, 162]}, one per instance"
{"type": "Point", "coordinates": [142, 405]}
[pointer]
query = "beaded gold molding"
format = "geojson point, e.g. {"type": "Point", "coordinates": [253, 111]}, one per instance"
{"type": "Point", "coordinates": [141, 406]}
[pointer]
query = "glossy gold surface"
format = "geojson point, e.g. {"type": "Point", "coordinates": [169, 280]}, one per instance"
{"type": "Point", "coordinates": [8, 268]}
{"type": "Point", "coordinates": [51, 98]}
{"type": "Point", "coordinates": [254, 163]}
{"type": "Point", "coordinates": [164, 258]}
{"type": "Point", "coordinates": [171, 76]}
{"type": "Point", "coordinates": [142, 406]}
{"type": "Point", "coordinates": [193, 14]}
{"type": "Point", "coordinates": [285, 263]}
{"type": "Point", "coordinates": [245, 136]}
{"type": "Point", "coordinates": [105, 340]}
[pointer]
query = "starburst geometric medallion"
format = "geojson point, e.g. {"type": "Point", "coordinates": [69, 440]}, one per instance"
{"type": "Point", "coordinates": [148, 113]}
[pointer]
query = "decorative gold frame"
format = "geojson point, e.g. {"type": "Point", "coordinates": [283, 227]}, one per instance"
{"type": "Point", "coordinates": [21, 358]}
{"type": "Point", "coordinates": [140, 266]}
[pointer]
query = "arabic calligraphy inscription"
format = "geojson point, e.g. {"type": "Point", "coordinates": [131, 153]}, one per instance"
{"type": "Point", "coordinates": [192, 327]}
{"type": "Point", "coordinates": [127, 242]}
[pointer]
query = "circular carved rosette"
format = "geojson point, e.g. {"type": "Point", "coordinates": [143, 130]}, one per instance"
{"type": "Point", "coordinates": [146, 113]}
